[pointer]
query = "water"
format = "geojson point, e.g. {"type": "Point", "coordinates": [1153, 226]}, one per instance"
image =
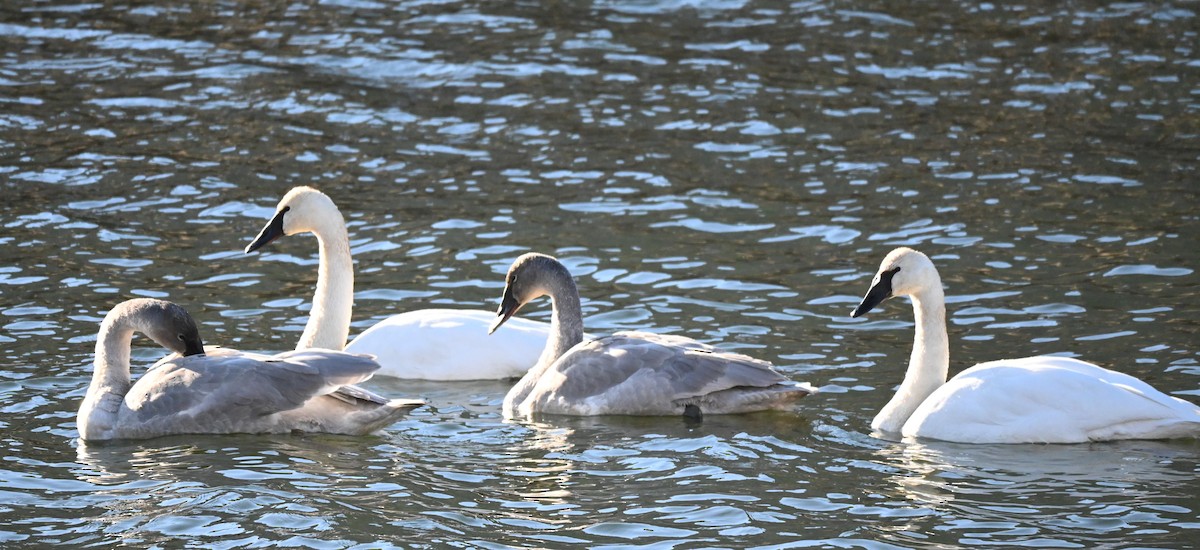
{"type": "Point", "coordinates": [730, 170]}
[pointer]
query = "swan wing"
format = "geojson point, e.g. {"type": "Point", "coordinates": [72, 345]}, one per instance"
{"type": "Point", "coordinates": [1049, 400]}
{"type": "Point", "coordinates": [231, 389]}
{"type": "Point", "coordinates": [348, 394]}
{"type": "Point", "coordinates": [644, 373]}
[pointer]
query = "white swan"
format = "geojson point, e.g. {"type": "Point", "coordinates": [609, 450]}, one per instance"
{"type": "Point", "coordinates": [628, 373]}
{"type": "Point", "coordinates": [1031, 400]}
{"type": "Point", "coordinates": [429, 344]}
{"type": "Point", "coordinates": [227, 392]}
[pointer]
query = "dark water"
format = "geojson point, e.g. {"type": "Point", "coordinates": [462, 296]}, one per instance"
{"type": "Point", "coordinates": [729, 170]}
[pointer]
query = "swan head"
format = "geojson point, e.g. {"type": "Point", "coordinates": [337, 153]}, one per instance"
{"type": "Point", "coordinates": [301, 210]}
{"type": "Point", "coordinates": [166, 323]}
{"type": "Point", "coordinates": [530, 277]}
{"type": "Point", "coordinates": [903, 272]}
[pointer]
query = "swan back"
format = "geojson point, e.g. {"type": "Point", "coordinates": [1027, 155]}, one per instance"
{"type": "Point", "coordinates": [640, 373]}
{"type": "Point", "coordinates": [451, 344]}
{"type": "Point", "coordinates": [1048, 399]}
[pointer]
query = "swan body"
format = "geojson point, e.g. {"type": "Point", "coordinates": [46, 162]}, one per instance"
{"type": "Point", "coordinates": [1043, 399]}
{"type": "Point", "coordinates": [628, 373]}
{"type": "Point", "coordinates": [429, 344]}
{"type": "Point", "coordinates": [225, 392]}
{"type": "Point", "coordinates": [451, 344]}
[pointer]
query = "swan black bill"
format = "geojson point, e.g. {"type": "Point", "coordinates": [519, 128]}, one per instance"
{"type": "Point", "coordinates": [880, 291]}
{"type": "Point", "coordinates": [508, 306]}
{"type": "Point", "coordinates": [272, 231]}
{"type": "Point", "coordinates": [193, 346]}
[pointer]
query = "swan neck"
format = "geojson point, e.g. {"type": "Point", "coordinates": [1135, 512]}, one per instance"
{"type": "Point", "coordinates": [113, 348]}
{"type": "Point", "coordinates": [566, 321]}
{"type": "Point", "coordinates": [110, 372]}
{"type": "Point", "coordinates": [928, 364]}
{"type": "Point", "coordinates": [110, 377]}
{"type": "Point", "coordinates": [566, 330]}
{"type": "Point", "coordinates": [930, 359]}
{"type": "Point", "coordinates": [329, 320]}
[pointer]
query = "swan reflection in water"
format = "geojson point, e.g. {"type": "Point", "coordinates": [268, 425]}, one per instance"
{"type": "Point", "coordinates": [215, 460]}
{"type": "Point", "coordinates": [170, 485]}
{"type": "Point", "coordinates": [542, 461]}
{"type": "Point", "coordinates": [561, 449]}
{"type": "Point", "coordinates": [1035, 486]}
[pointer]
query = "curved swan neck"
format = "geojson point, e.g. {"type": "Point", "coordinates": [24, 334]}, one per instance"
{"type": "Point", "coordinates": [110, 377]}
{"type": "Point", "coordinates": [110, 372]}
{"type": "Point", "coordinates": [566, 319]}
{"type": "Point", "coordinates": [930, 359]}
{"type": "Point", "coordinates": [566, 330]}
{"type": "Point", "coordinates": [927, 366]}
{"type": "Point", "coordinates": [329, 320]}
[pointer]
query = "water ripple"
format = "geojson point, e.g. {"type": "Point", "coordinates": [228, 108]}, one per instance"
{"type": "Point", "coordinates": [701, 167]}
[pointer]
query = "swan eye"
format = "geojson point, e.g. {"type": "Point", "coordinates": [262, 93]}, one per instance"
{"type": "Point", "coordinates": [885, 275]}
{"type": "Point", "coordinates": [180, 336]}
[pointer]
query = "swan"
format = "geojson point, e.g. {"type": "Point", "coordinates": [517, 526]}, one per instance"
{"type": "Point", "coordinates": [224, 392]}
{"type": "Point", "coordinates": [429, 344]}
{"type": "Point", "coordinates": [1041, 399]}
{"type": "Point", "coordinates": [628, 373]}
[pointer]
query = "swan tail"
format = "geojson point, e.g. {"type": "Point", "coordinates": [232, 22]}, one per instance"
{"type": "Point", "coordinates": [369, 420]}
{"type": "Point", "coordinates": [356, 396]}
{"type": "Point", "coordinates": [1148, 429]}
{"type": "Point", "coordinates": [748, 399]}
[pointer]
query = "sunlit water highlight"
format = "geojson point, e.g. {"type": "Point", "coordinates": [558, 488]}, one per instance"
{"type": "Point", "coordinates": [728, 170]}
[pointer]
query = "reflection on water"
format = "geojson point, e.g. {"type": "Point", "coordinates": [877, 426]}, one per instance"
{"type": "Point", "coordinates": [990, 492]}
{"type": "Point", "coordinates": [727, 170]}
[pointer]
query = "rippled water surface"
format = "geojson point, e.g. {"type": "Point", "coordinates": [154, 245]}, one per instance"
{"type": "Point", "coordinates": [731, 170]}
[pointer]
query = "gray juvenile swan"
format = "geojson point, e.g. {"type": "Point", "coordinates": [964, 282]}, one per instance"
{"type": "Point", "coordinates": [628, 373]}
{"type": "Point", "coordinates": [225, 392]}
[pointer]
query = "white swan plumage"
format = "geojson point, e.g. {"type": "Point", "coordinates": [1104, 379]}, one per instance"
{"type": "Point", "coordinates": [225, 391]}
{"type": "Point", "coordinates": [1043, 399]}
{"type": "Point", "coordinates": [628, 373]}
{"type": "Point", "coordinates": [428, 344]}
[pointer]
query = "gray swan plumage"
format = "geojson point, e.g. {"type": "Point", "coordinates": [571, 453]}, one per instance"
{"type": "Point", "coordinates": [628, 373]}
{"type": "Point", "coordinates": [222, 391]}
